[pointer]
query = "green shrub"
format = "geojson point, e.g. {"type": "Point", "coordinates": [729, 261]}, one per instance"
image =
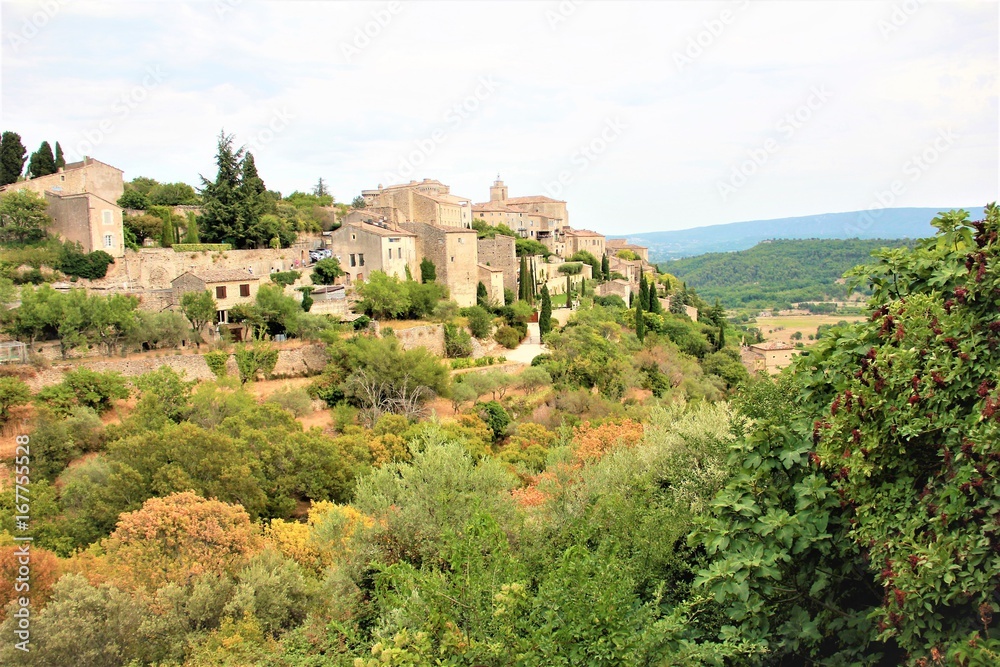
{"type": "Point", "coordinates": [480, 321]}
{"type": "Point", "coordinates": [74, 262]}
{"type": "Point", "coordinates": [571, 269]}
{"type": "Point", "coordinates": [285, 278]}
{"type": "Point", "coordinates": [457, 341]}
{"type": "Point", "coordinates": [201, 247]}
{"type": "Point", "coordinates": [295, 400]}
{"type": "Point", "coordinates": [217, 362]}
{"type": "Point", "coordinates": [508, 336]}
{"type": "Point", "coordinates": [84, 387]}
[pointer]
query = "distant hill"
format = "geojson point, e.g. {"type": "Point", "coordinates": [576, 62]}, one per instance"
{"type": "Point", "coordinates": [892, 223]}
{"type": "Point", "coordinates": [777, 272]}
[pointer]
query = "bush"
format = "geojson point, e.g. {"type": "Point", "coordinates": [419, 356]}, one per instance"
{"type": "Point", "coordinates": [13, 392]}
{"type": "Point", "coordinates": [457, 341]}
{"type": "Point", "coordinates": [201, 247]}
{"type": "Point", "coordinates": [480, 321]}
{"type": "Point", "coordinates": [362, 323]}
{"type": "Point", "coordinates": [87, 388]}
{"type": "Point", "coordinates": [217, 362]}
{"type": "Point", "coordinates": [571, 269]}
{"type": "Point", "coordinates": [74, 262]}
{"type": "Point", "coordinates": [285, 278]}
{"type": "Point", "coordinates": [496, 417]}
{"type": "Point", "coordinates": [295, 400]}
{"type": "Point", "coordinates": [610, 301]}
{"type": "Point", "coordinates": [508, 336]}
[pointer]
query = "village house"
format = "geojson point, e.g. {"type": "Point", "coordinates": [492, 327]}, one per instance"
{"type": "Point", "coordinates": [492, 278]}
{"type": "Point", "coordinates": [82, 198]}
{"type": "Point", "coordinates": [363, 247]}
{"type": "Point", "coordinates": [616, 245]}
{"type": "Point", "coordinates": [584, 239]}
{"type": "Point", "coordinates": [536, 217]}
{"type": "Point", "coordinates": [428, 201]}
{"type": "Point", "coordinates": [769, 357]}
{"type": "Point", "coordinates": [455, 255]}
{"type": "Point", "coordinates": [229, 287]}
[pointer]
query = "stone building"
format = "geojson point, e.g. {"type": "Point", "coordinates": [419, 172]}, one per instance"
{"type": "Point", "coordinates": [229, 287]}
{"type": "Point", "coordinates": [363, 247]}
{"type": "Point", "coordinates": [428, 201]}
{"type": "Point", "coordinates": [536, 217]}
{"type": "Point", "coordinates": [455, 255]}
{"type": "Point", "coordinates": [82, 198]}
{"type": "Point", "coordinates": [493, 279]}
{"type": "Point", "coordinates": [769, 357]}
{"type": "Point", "coordinates": [584, 239]}
{"type": "Point", "coordinates": [499, 252]}
{"type": "Point", "coordinates": [614, 245]}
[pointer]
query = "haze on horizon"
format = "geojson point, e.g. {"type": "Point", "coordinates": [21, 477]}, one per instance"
{"type": "Point", "coordinates": [643, 116]}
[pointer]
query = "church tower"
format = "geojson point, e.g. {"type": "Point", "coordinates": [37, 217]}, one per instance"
{"type": "Point", "coordinates": [499, 191]}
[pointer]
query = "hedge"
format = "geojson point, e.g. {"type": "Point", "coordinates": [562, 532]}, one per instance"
{"type": "Point", "coordinates": [200, 247]}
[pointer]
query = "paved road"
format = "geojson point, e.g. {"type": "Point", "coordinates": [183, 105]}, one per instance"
{"type": "Point", "coordinates": [530, 348]}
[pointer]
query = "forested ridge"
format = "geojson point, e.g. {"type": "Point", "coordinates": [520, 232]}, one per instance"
{"type": "Point", "coordinates": [777, 272]}
{"type": "Point", "coordinates": [632, 498]}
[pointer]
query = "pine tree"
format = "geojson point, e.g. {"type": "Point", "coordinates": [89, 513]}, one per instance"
{"type": "Point", "coordinates": [251, 195]}
{"type": "Point", "coordinates": [605, 268]}
{"type": "Point", "coordinates": [12, 157]}
{"type": "Point", "coordinates": [42, 162]}
{"type": "Point", "coordinates": [640, 321]}
{"type": "Point", "coordinates": [545, 316]}
{"type": "Point", "coordinates": [221, 221]}
{"type": "Point", "coordinates": [60, 158]}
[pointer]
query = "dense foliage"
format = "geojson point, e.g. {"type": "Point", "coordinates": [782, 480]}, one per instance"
{"type": "Point", "coordinates": [777, 272]}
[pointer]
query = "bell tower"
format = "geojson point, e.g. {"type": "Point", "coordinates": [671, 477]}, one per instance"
{"type": "Point", "coordinates": [499, 191]}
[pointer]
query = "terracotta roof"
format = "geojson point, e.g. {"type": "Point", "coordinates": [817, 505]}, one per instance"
{"type": "Point", "coordinates": [772, 345]}
{"type": "Point", "coordinates": [375, 229]}
{"type": "Point", "coordinates": [491, 269]}
{"type": "Point", "coordinates": [582, 232]}
{"type": "Point", "coordinates": [222, 275]}
{"type": "Point", "coordinates": [534, 199]}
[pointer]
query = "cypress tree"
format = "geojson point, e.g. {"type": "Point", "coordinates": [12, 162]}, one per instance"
{"type": "Point", "coordinates": [545, 316]}
{"type": "Point", "coordinates": [191, 231]}
{"type": "Point", "coordinates": [722, 336]}
{"type": "Point", "coordinates": [605, 267]}
{"type": "Point", "coordinates": [569, 293]}
{"type": "Point", "coordinates": [42, 162]}
{"type": "Point", "coordinates": [654, 300]}
{"type": "Point", "coordinates": [482, 296]}
{"type": "Point", "coordinates": [12, 157]}
{"type": "Point", "coordinates": [167, 233]}
{"type": "Point", "coordinates": [643, 292]}
{"type": "Point", "coordinates": [640, 322]}
{"type": "Point", "coordinates": [428, 272]}
{"type": "Point", "coordinates": [524, 282]}
{"type": "Point", "coordinates": [60, 158]}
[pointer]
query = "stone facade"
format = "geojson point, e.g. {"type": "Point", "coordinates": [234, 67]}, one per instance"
{"type": "Point", "coordinates": [155, 268]}
{"type": "Point", "coordinates": [82, 198]}
{"type": "Point", "coordinates": [492, 278]}
{"type": "Point", "coordinates": [769, 357]}
{"type": "Point", "coordinates": [455, 255]}
{"type": "Point", "coordinates": [363, 247]}
{"type": "Point", "coordinates": [429, 337]}
{"type": "Point", "coordinates": [428, 201]}
{"type": "Point", "coordinates": [584, 239]}
{"type": "Point", "coordinates": [229, 288]}
{"type": "Point", "coordinates": [620, 288]}
{"type": "Point", "coordinates": [614, 245]}
{"type": "Point", "coordinates": [499, 252]}
{"type": "Point", "coordinates": [536, 217]}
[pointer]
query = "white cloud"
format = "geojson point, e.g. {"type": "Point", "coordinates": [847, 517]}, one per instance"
{"type": "Point", "coordinates": [352, 119]}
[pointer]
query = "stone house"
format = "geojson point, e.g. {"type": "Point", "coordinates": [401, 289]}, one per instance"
{"type": "Point", "coordinates": [493, 279]}
{"type": "Point", "coordinates": [363, 247]}
{"type": "Point", "coordinates": [82, 198]}
{"type": "Point", "coordinates": [584, 239]}
{"type": "Point", "coordinates": [429, 201]}
{"type": "Point", "coordinates": [769, 357]}
{"type": "Point", "coordinates": [229, 287]}
{"type": "Point", "coordinates": [499, 252]}
{"type": "Point", "coordinates": [614, 245]}
{"type": "Point", "coordinates": [455, 255]}
{"type": "Point", "coordinates": [536, 217]}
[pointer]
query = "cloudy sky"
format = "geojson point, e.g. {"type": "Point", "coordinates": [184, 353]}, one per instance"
{"type": "Point", "coordinates": [644, 116]}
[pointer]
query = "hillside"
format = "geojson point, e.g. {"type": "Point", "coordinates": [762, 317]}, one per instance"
{"type": "Point", "coordinates": [893, 223]}
{"type": "Point", "coordinates": [775, 272]}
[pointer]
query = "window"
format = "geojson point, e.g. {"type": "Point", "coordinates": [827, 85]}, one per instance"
{"type": "Point", "coordinates": [461, 240]}
{"type": "Point", "coordinates": [109, 217]}
{"type": "Point", "coordinates": [244, 290]}
{"type": "Point", "coordinates": [108, 240]}
{"type": "Point", "coordinates": [354, 237]}
{"type": "Point", "coordinates": [390, 253]}
{"type": "Point", "coordinates": [452, 258]}
{"type": "Point", "coordinates": [220, 292]}
{"type": "Point", "coordinates": [361, 259]}
{"type": "Point", "coordinates": [220, 317]}
{"type": "Point", "coordinates": [353, 262]}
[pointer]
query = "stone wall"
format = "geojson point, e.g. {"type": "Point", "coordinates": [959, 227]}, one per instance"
{"type": "Point", "coordinates": [499, 253]}
{"type": "Point", "coordinates": [428, 336]}
{"type": "Point", "coordinates": [156, 267]}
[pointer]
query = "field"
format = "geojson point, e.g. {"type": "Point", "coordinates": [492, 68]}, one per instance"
{"type": "Point", "coordinates": [782, 327]}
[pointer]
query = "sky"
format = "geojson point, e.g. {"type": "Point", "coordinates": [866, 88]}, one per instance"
{"type": "Point", "coordinates": [643, 116]}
